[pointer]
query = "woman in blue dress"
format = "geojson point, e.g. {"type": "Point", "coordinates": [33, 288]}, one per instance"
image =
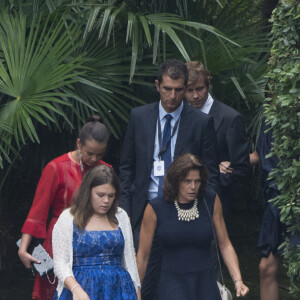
{"type": "Point", "coordinates": [93, 252]}
{"type": "Point", "coordinates": [182, 222]}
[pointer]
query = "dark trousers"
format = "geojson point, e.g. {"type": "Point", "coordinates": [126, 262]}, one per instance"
{"type": "Point", "coordinates": [151, 278]}
{"type": "Point", "coordinates": [226, 201]}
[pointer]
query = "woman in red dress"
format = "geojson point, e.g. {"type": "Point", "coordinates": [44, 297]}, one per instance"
{"type": "Point", "coordinates": [59, 180]}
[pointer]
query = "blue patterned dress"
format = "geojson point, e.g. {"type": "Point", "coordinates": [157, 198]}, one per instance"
{"type": "Point", "coordinates": [97, 266]}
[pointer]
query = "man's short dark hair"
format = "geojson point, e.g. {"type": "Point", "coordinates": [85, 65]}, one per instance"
{"type": "Point", "coordinates": [173, 68]}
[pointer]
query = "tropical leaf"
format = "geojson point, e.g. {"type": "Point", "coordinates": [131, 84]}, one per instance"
{"type": "Point", "coordinates": [36, 64]}
{"type": "Point", "coordinates": [142, 26]}
{"type": "Point", "coordinates": [134, 37]}
{"type": "Point", "coordinates": [5, 143]}
{"type": "Point", "coordinates": [104, 86]}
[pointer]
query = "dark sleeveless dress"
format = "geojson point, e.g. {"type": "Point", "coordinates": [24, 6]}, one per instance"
{"type": "Point", "coordinates": [272, 231]}
{"type": "Point", "coordinates": [187, 268]}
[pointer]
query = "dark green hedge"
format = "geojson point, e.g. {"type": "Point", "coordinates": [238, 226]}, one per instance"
{"type": "Point", "coordinates": [283, 113]}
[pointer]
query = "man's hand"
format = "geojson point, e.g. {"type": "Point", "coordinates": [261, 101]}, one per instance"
{"type": "Point", "coordinates": [225, 168]}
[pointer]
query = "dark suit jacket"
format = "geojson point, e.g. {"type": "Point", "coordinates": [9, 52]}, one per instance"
{"type": "Point", "coordinates": [195, 135]}
{"type": "Point", "coordinates": [231, 140]}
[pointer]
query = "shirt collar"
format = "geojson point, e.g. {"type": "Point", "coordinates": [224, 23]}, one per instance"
{"type": "Point", "coordinates": [207, 105]}
{"type": "Point", "coordinates": [175, 114]}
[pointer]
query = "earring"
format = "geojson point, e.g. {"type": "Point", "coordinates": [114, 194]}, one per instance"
{"type": "Point", "coordinates": [80, 161]}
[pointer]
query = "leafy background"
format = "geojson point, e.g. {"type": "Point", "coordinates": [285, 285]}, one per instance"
{"type": "Point", "coordinates": [63, 60]}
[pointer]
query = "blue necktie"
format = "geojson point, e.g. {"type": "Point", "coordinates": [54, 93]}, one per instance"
{"type": "Point", "coordinates": [165, 156]}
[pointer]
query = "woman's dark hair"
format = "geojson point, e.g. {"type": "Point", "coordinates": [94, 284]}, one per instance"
{"type": "Point", "coordinates": [178, 171]}
{"type": "Point", "coordinates": [94, 129]}
{"type": "Point", "coordinates": [82, 209]}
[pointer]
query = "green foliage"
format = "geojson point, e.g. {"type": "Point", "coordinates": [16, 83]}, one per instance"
{"type": "Point", "coordinates": [50, 77]}
{"type": "Point", "coordinates": [33, 72]}
{"type": "Point", "coordinates": [50, 85]}
{"type": "Point", "coordinates": [147, 25]}
{"type": "Point", "coordinates": [282, 110]}
{"type": "Point", "coordinates": [237, 71]}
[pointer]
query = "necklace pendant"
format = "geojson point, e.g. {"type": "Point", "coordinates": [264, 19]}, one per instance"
{"type": "Point", "coordinates": [80, 161]}
{"type": "Point", "coordinates": [187, 215]}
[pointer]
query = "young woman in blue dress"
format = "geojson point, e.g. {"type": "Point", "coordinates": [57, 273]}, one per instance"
{"type": "Point", "coordinates": [183, 226]}
{"type": "Point", "coordinates": [93, 252]}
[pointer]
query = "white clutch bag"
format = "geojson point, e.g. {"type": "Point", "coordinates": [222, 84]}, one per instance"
{"type": "Point", "coordinates": [224, 291]}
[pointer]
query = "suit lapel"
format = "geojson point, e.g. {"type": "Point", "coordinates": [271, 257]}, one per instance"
{"type": "Point", "coordinates": [151, 130]}
{"type": "Point", "coordinates": [183, 128]}
{"type": "Point", "coordinates": [216, 114]}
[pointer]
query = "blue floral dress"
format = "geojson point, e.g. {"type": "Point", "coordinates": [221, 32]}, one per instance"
{"type": "Point", "coordinates": [97, 266]}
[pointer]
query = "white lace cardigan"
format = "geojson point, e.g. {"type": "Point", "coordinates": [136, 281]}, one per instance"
{"type": "Point", "coordinates": [62, 242]}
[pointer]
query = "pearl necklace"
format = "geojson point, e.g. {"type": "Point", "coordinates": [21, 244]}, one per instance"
{"type": "Point", "coordinates": [187, 214]}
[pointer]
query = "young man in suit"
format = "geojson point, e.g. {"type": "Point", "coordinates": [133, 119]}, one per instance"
{"type": "Point", "coordinates": [145, 157]}
{"type": "Point", "coordinates": [232, 143]}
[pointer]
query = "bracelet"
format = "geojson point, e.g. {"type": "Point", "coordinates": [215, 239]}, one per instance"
{"type": "Point", "coordinates": [235, 281]}
{"type": "Point", "coordinates": [74, 287]}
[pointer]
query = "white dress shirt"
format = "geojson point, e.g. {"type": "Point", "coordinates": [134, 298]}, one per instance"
{"type": "Point", "coordinates": [153, 186]}
{"type": "Point", "coordinates": [207, 105]}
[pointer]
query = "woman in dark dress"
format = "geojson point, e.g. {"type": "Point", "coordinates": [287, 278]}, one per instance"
{"type": "Point", "coordinates": [184, 232]}
{"type": "Point", "coordinates": [272, 231]}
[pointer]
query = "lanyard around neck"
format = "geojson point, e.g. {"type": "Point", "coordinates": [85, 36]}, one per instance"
{"type": "Point", "coordinates": [164, 149]}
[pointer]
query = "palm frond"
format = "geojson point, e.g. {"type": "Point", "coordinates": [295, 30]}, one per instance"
{"type": "Point", "coordinates": [145, 26]}
{"type": "Point", "coordinates": [5, 142]}
{"type": "Point", "coordinates": [103, 88]}
{"type": "Point", "coordinates": [36, 63]}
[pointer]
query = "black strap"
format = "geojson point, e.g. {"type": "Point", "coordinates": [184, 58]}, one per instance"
{"type": "Point", "coordinates": [216, 244]}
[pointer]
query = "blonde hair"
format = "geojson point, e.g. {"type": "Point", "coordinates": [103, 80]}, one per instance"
{"type": "Point", "coordinates": [197, 71]}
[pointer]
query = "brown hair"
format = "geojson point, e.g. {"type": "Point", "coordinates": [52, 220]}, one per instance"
{"type": "Point", "coordinates": [178, 171]}
{"type": "Point", "coordinates": [94, 129]}
{"type": "Point", "coordinates": [198, 71]}
{"type": "Point", "coordinates": [82, 209]}
{"type": "Point", "coordinates": [174, 69]}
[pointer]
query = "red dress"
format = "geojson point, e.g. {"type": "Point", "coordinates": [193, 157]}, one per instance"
{"type": "Point", "coordinates": [59, 180]}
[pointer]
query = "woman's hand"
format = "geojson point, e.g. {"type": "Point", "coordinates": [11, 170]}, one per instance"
{"type": "Point", "coordinates": [27, 259]}
{"type": "Point", "coordinates": [241, 288]}
{"type": "Point", "coordinates": [80, 294]}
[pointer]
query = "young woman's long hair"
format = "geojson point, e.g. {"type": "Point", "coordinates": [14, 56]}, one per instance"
{"type": "Point", "coordinates": [82, 209]}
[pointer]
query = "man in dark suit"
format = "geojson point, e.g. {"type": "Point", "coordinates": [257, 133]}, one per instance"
{"type": "Point", "coordinates": [232, 143]}
{"type": "Point", "coordinates": [141, 165]}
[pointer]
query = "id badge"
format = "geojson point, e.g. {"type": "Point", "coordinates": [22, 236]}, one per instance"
{"type": "Point", "coordinates": [159, 168]}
